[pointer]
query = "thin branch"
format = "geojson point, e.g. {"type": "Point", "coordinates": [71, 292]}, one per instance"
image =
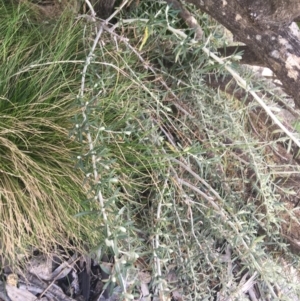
{"type": "Point", "coordinates": [187, 17]}
{"type": "Point", "coordinates": [116, 11]}
{"type": "Point", "coordinates": [162, 287]}
{"type": "Point", "coordinates": [89, 137]}
{"type": "Point", "coordinates": [93, 14]}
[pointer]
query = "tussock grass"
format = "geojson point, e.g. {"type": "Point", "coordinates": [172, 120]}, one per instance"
{"type": "Point", "coordinates": [40, 190]}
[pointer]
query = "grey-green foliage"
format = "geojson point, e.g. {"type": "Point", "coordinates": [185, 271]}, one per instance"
{"type": "Point", "coordinates": [185, 206]}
